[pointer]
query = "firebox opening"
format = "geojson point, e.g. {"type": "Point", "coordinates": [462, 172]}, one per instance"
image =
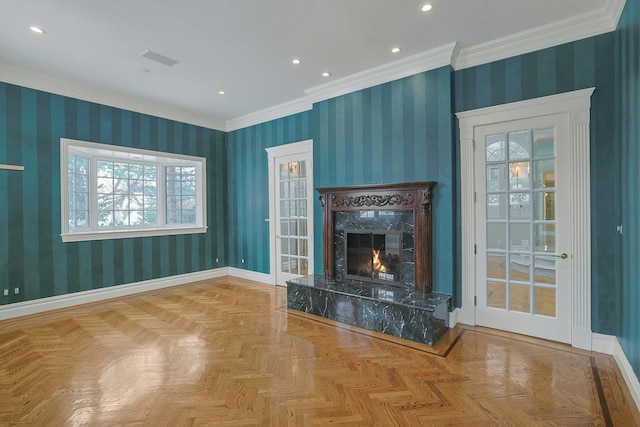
{"type": "Point", "coordinates": [374, 256]}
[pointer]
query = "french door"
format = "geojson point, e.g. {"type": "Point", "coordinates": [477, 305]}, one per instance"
{"type": "Point", "coordinates": [291, 210]}
{"type": "Point", "coordinates": [523, 217]}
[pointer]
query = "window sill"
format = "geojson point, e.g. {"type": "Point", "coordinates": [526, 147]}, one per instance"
{"type": "Point", "coordinates": [126, 234]}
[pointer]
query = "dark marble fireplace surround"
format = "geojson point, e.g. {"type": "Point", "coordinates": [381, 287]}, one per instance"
{"type": "Point", "coordinates": [406, 308]}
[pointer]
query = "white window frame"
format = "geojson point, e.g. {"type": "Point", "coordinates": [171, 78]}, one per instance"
{"type": "Point", "coordinates": [96, 151]}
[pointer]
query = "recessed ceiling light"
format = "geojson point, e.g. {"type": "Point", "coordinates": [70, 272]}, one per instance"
{"type": "Point", "coordinates": [426, 7]}
{"type": "Point", "coordinates": [326, 74]}
{"type": "Point", "coordinates": [37, 30]}
{"type": "Point", "coordinates": [221, 92]}
{"type": "Point", "coordinates": [295, 61]}
{"type": "Point", "coordinates": [395, 50]}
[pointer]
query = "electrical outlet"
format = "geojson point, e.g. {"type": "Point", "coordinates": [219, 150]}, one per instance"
{"type": "Point", "coordinates": [5, 292]}
{"type": "Point", "coordinates": [216, 259]}
{"type": "Point", "coordinates": [243, 260]}
{"type": "Point", "coordinates": [16, 290]}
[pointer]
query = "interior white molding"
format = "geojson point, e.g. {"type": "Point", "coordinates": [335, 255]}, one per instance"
{"type": "Point", "coordinates": [614, 9]}
{"type": "Point", "coordinates": [272, 113]}
{"type": "Point", "coordinates": [605, 344]}
{"type": "Point", "coordinates": [576, 105]}
{"type": "Point", "coordinates": [609, 344]}
{"type": "Point", "coordinates": [566, 30]}
{"type": "Point", "coordinates": [414, 64]}
{"type": "Point", "coordinates": [85, 92]}
{"type": "Point", "coordinates": [563, 31]}
{"type": "Point", "coordinates": [467, 312]}
{"type": "Point", "coordinates": [629, 375]}
{"type": "Point", "coordinates": [94, 295]}
{"type": "Point", "coordinates": [453, 317]}
{"type": "Point", "coordinates": [250, 275]}
{"type": "Point", "coordinates": [579, 119]}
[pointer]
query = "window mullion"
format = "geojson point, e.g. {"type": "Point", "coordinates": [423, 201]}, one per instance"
{"type": "Point", "coordinates": [93, 193]}
{"type": "Point", "coordinates": [200, 196]}
{"type": "Point", "coordinates": [162, 195]}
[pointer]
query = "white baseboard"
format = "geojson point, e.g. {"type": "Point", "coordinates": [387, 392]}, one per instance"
{"type": "Point", "coordinates": [600, 343]}
{"type": "Point", "coordinates": [68, 300]}
{"type": "Point", "coordinates": [630, 377]}
{"type": "Point", "coordinates": [603, 343]}
{"type": "Point", "coordinates": [251, 275]}
{"type": "Point", "coordinates": [453, 317]}
{"type": "Point", "coordinates": [609, 344]}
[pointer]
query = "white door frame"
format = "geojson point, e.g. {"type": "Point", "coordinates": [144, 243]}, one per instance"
{"type": "Point", "coordinates": [576, 105]}
{"type": "Point", "coordinates": [301, 147]}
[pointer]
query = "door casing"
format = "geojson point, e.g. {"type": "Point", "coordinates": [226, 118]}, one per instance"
{"type": "Point", "coordinates": [576, 106]}
{"type": "Point", "coordinates": [273, 153]}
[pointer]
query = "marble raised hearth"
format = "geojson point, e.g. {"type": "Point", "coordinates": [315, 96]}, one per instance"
{"type": "Point", "coordinates": [403, 313]}
{"type": "Point", "coordinates": [377, 257]}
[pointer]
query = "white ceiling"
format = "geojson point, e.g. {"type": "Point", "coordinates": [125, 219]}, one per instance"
{"type": "Point", "coordinates": [245, 47]}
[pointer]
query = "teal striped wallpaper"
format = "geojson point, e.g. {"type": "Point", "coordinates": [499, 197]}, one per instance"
{"type": "Point", "coordinates": [578, 65]}
{"type": "Point", "coordinates": [31, 251]}
{"type": "Point", "coordinates": [627, 140]}
{"type": "Point", "coordinates": [248, 188]}
{"type": "Point", "coordinates": [400, 131]}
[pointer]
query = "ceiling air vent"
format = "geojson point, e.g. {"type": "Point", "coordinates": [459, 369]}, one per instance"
{"type": "Point", "coordinates": [154, 56]}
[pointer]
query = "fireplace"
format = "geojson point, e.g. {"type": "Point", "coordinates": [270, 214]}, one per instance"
{"type": "Point", "coordinates": [374, 256]}
{"type": "Point", "coordinates": [377, 263]}
{"type": "Point", "coordinates": [379, 234]}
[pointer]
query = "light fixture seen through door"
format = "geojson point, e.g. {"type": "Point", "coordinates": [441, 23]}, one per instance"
{"type": "Point", "coordinates": [293, 167]}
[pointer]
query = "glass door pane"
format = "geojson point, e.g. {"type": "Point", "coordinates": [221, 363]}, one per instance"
{"type": "Point", "coordinates": [293, 199]}
{"type": "Point", "coordinates": [520, 217]}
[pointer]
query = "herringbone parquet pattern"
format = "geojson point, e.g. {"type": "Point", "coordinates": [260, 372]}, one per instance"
{"type": "Point", "coordinates": [227, 352]}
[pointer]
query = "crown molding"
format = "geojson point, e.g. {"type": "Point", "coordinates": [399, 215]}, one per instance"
{"type": "Point", "coordinates": [405, 67]}
{"type": "Point", "coordinates": [272, 113]}
{"type": "Point", "coordinates": [614, 9]}
{"type": "Point", "coordinates": [567, 30]}
{"type": "Point", "coordinates": [59, 86]}
{"type": "Point", "coordinates": [414, 64]}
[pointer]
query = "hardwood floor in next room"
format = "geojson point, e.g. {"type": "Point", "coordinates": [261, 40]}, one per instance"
{"type": "Point", "coordinates": [228, 352]}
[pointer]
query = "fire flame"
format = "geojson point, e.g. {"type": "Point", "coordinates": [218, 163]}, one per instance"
{"type": "Point", "coordinates": [377, 264]}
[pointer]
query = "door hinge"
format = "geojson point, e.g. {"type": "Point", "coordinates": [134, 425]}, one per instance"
{"type": "Point", "coordinates": [475, 249]}
{"type": "Point", "coordinates": [473, 143]}
{"type": "Point", "coordinates": [475, 301]}
{"type": "Point", "coordinates": [475, 197]}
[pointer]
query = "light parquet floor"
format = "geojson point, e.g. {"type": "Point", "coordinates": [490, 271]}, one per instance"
{"type": "Point", "coordinates": [227, 352]}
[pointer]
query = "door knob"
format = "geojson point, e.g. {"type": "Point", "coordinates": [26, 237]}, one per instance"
{"type": "Point", "coordinates": [563, 255]}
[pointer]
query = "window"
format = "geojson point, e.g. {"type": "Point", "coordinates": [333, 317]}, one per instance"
{"type": "Point", "coordinates": [113, 192]}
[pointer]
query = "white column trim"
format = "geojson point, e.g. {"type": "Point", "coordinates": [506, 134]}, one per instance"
{"type": "Point", "coordinates": [467, 313]}
{"type": "Point", "coordinates": [581, 228]}
{"type": "Point", "coordinates": [577, 106]}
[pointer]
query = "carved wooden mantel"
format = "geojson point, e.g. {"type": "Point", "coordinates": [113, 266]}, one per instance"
{"type": "Point", "coordinates": [412, 196]}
